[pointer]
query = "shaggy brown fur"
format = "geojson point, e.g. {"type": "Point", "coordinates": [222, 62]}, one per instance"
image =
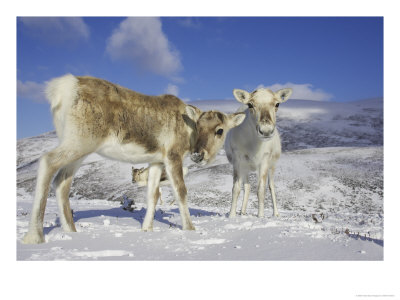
{"type": "Point", "coordinates": [94, 115]}
{"type": "Point", "coordinates": [103, 109]}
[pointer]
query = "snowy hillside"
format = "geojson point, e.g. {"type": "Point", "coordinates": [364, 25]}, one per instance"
{"type": "Point", "coordinates": [329, 185]}
{"type": "Point", "coordinates": [310, 124]}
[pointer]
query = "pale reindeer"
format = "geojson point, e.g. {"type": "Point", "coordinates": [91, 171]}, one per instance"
{"type": "Point", "coordinates": [255, 145]}
{"type": "Point", "coordinates": [94, 115]}
{"type": "Point", "coordinates": [141, 176]}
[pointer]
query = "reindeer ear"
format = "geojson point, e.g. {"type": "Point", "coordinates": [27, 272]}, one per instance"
{"type": "Point", "coordinates": [283, 94]}
{"type": "Point", "coordinates": [193, 112]}
{"type": "Point", "coordinates": [241, 95]}
{"type": "Point", "coordinates": [236, 119]}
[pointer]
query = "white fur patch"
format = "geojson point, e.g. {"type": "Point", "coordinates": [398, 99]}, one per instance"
{"type": "Point", "coordinates": [131, 153]}
{"type": "Point", "coordinates": [61, 92]}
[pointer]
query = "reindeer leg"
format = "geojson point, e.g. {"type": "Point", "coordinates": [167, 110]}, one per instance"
{"type": "Point", "coordinates": [262, 180]}
{"type": "Point", "coordinates": [160, 195]}
{"type": "Point", "coordinates": [62, 184]}
{"type": "Point", "coordinates": [246, 194]}
{"type": "Point", "coordinates": [237, 184]}
{"type": "Point", "coordinates": [272, 190]}
{"type": "Point", "coordinates": [48, 166]}
{"type": "Point", "coordinates": [152, 195]}
{"type": "Point", "coordinates": [174, 170]}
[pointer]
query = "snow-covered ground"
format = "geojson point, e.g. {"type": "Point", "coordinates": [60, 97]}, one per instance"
{"type": "Point", "coordinates": [329, 185]}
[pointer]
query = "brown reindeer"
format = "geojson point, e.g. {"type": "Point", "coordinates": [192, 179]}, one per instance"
{"type": "Point", "coordinates": [93, 115]}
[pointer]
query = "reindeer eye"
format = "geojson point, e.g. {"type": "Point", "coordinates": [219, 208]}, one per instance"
{"type": "Point", "coordinates": [220, 131]}
{"type": "Point", "coordinates": [250, 105]}
{"type": "Point", "coordinates": [277, 105]}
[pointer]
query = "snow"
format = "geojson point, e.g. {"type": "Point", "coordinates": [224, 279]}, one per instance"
{"type": "Point", "coordinates": [330, 198]}
{"type": "Point", "coordinates": [107, 229]}
{"type": "Point", "coordinates": [329, 185]}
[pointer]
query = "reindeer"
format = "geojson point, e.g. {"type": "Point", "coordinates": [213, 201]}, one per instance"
{"type": "Point", "coordinates": [255, 145]}
{"type": "Point", "coordinates": [141, 176]}
{"type": "Point", "coordinates": [93, 115]}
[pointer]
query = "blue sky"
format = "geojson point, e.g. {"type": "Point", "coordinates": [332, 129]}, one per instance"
{"type": "Point", "coordinates": [324, 59]}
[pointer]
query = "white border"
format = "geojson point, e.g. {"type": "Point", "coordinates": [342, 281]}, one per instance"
{"type": "Point", "coordinates": [199, 280]}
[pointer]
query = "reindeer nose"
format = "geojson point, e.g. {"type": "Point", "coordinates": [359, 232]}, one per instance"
{"type": "Point", "coordinates": [265, 133]}
{"type": "Point", "coordinates": [197, 157]}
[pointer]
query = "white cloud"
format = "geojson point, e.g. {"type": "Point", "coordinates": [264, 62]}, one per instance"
{"type": "Point", "coordinates": [141, 41]}
{"type": "Point", "coordinates": [56, 29]}
{"type": "Point", "coordinates": [304, 91]}
{"type": "Point", "coordinates": [172, 89]}
{"type": "Point", "coordinates": [31, 90]}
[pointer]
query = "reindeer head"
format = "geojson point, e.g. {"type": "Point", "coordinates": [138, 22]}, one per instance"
{"type": "Point", "coordinates": [137, 174]}
{"type": "Point", "coordinates": [263, 105]}
{"type": "Point", "coordinates": [212, 127]}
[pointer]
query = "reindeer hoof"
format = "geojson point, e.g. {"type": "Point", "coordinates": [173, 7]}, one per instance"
{"type": "Point", "coordinates": [33, 238]}
{"type": "Point", "coordinates": [147, 228]}
{"type": "Point", "coordinates": [189, 227]}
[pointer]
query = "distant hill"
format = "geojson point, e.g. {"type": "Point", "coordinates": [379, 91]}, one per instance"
{"type": "Point", "coordinates": [315, 124]}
